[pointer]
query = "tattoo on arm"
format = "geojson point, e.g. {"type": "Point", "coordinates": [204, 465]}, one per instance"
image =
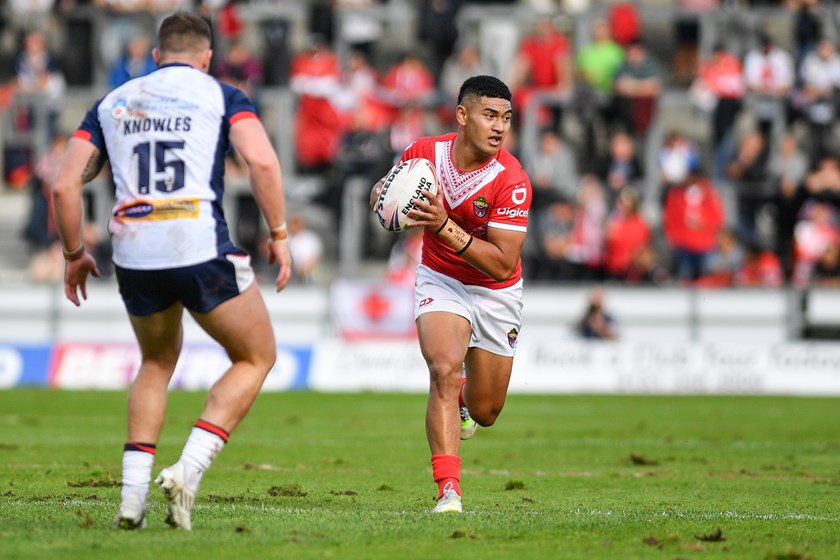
{"type": "Point", "coordinates": [93, 166]}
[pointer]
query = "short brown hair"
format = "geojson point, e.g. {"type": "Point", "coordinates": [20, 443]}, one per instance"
{"type": "Point", "coordinates": [184, 32]}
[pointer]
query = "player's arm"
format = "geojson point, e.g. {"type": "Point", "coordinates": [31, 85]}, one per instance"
{"type": "Point", "coordinates": [497, 257]}
{"type": "Point", "coordinates": [82, 162]}
{"type": "Point", "coordinates": [251, 142]}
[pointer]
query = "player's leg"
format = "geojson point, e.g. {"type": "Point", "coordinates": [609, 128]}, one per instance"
{"type": "Point", "coordinates": [489, 361]}
{"type": "Point", "coordinates": [159, 336]}
{"type": "Point", "coordinates": [485, 392]}
{"type": "Point", "coordinates": [443, 338]}
{"type": "Point", "coordinates": [242, 326]}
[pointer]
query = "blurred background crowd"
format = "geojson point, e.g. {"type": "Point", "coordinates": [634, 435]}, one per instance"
{"type": "Point", "coordinates": [668, 141]}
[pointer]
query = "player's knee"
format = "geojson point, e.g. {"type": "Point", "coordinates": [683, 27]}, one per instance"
{"type": "Point", "coordinates": [485, 416]}
{"type": "Point", "coordinates": [445, 375]}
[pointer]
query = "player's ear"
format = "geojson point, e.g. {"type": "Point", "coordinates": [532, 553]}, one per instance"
{"type": "Point", "coordinates": [461, 115]}
{"type": "Point", "coordinates": [205, 61]}
{"type": "Point", "coordinates": [156, 56]}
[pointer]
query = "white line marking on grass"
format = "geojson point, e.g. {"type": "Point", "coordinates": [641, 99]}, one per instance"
{"type": "Point", "coordinates": [694, 515]}
{"type": "Point", "coordinates": [706, 515]}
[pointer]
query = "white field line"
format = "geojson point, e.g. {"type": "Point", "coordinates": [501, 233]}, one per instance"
{"type": "Point", "coordinates": [593, 513]}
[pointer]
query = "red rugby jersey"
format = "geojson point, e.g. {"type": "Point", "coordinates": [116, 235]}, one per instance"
{"type": "Point", "coordinates": [497, 194]}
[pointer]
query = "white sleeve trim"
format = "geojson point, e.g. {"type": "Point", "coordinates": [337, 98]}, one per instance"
{"type": "Point", "coordinates": [510, 227]}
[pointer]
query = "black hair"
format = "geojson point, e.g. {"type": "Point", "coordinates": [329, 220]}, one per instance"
{"type": "Point", "coordinates": [483, 86]}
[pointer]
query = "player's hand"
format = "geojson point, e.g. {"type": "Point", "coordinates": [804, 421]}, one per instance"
{"type": "Point", "coordinates": [374, 192]}
{"type": "Point", "coordinates": [75, 277]}
{"type": "Point", "coordinates": [430, 213]}
{"type": "Point", "coordinates": [278, 251]}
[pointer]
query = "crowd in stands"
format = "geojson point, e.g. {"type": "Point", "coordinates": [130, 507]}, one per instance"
{"type": "Point", "coordinates": [770, 98]}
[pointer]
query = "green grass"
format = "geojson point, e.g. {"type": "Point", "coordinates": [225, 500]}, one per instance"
{"type": "Point", "coordinates": [312, 475]}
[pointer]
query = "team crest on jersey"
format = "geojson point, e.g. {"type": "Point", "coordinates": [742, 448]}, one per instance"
{"type": "Point", "coordinates": [513, 334]}
{"type": "Point", "coordinates": [480, 206]}
{"type": "Point", "coordinates": [119, 108]}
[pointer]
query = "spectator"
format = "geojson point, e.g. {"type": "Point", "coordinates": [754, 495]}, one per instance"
{"type": "Point", "coordinates": [627, 232]}
{"type": "Point", "coordinates": [240, 68]}
{"type": "Point", "coordinates": [129, 18]}
{"type": "Point", "coordinates": [807, 26]}
{"type": "Point", "coordinates": [553, 229]}
{"type": "Point", "coordinates": [625, 22]}
{"type": "Point", "coordinates": [586, 244]}
{"type": "Point", "coordinates": [438, 28]}
{"type": "Point", "coordinates": [306, 249]}
{"type": "Point", "coordinates": [725, 262]}
{"type": "Point", "coordinates": [723, 78]}
{"type": "Point", "coordinates": [748, 171]}
{"type": "Point", "coordinates": [597, 323]}
{"type": "Point", "coordinates": [687, 31]}
{"type": "Point", "coordinates": [824, 182]}
{"type": "Point", "coordinates": [761, 268]}
{"type": "Point", "coordinates": [769, 75]}
{"type": "Point", "coordinates": [135, 61]}
{"type": "Point", "coordinates": [692, 219]}
{"type": "Point", "coordinates": [552, 170]}
{"type": "Point", "coordinates": [40, 228]}
{"type": "Point", "coordinates": [621, 168]}
{"type": "Point", "coordinates": [815, 99]}
{"type": "Point", "coordinates": [38, 73]}
{"type": "Point", "coordinates": [647, 268]}
{"type": "Point", "coordinates": [638, 84]}
{"type": "Point", "coordinates": [826, 272]}
{"type": "Point", "coordinates": [409, 89]}
{"type": "Point", "coordinates": [543, 66]}
{"type": "Point", "coordinates": [597, 63]}
{"type": "Point", "coordinates": [787, 170]}
{"type": "Point", "coordinates": [316, 79]}
{"type": "Point", "coordinates": [674, 159]}
{"type": "Point", "coordinates": [465, 62]}
{"type": "Point", "coordinates": [816, 230]}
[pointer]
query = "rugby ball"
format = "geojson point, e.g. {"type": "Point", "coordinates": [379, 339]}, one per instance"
{"type": "Point", "coordinates": [405, 181]}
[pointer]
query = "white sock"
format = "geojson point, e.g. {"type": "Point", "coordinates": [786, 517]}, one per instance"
{"type": "Point", "coordinates": [198, 454]}
{"type": "Point", "coordinates": [136, 473]}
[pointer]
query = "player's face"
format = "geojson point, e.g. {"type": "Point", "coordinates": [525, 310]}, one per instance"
{"type": "Point", "coordinates": [485, 124]}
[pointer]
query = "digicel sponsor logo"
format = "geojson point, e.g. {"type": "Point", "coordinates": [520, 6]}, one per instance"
{"type": "Point", "coordinates": [512, 212]}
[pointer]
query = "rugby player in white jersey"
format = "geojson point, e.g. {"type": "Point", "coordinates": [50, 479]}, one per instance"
{"type": "Point", "coordinates": [468, 292]}
{"type": "Point", "coordinates": [165, 136]}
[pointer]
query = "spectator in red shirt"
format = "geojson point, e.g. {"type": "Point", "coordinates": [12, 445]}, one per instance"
{"type": "Point", "coordinates": [627, 233]}
{"type": "Point", "coordinates": [723, 77]}
{"type": "Point", "coordinates": [761, 269]}
{"type": "Point", "coordinates": [316, 78]}
{"type": "Point", "coordinates": [408, 88]}
{"type": "Point", "coordinates": [693, 217]}
{"type": "Point", "coordinates": [543, 65]}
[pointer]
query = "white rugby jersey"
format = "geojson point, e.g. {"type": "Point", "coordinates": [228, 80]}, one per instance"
{"type": "Point", "coordinates": [165, 135]}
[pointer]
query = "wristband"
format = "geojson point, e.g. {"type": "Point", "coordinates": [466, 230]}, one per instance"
{"type": "Point", "coordinates": [465, 247]}
{"type": "Point", "coordinates": [75, 254]}
{"type": "Point", "coordinates": [279, 233]}
{"type": "Point", "coordinates": [440, 229]}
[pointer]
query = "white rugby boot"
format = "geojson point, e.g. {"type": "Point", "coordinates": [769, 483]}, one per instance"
{"type": "Point", "coordinates": [450, 502]}
{"type": "Point", "coordinates": [468, 425]}
{"type": "Point", "coordinates": [132, 513]}
{"type": "Point", "coordinates": [179, 499]}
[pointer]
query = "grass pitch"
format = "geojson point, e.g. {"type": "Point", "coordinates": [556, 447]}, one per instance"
{"type": "Point", "coordinates": [312, 475]}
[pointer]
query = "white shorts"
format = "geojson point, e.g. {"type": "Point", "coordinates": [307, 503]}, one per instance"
{"type": "Point", "coordinates": [494, 315]}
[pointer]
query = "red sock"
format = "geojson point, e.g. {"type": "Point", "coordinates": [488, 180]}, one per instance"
{"type": "Point", "coordinates": [446, 470]}
{"type": "Point", "coordinates": [461, 392]}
